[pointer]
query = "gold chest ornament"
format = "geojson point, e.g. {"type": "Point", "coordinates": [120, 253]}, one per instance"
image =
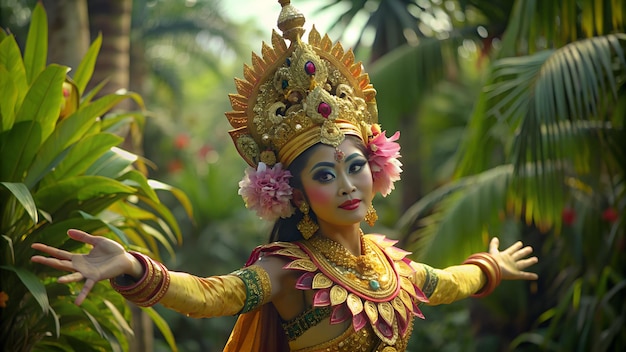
{"type": "Point", "coordinates": [374, 288]}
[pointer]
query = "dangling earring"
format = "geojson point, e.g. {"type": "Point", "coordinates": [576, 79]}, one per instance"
{"type": "Point", "coordinates": [306, 226]}
{"type": "Point", "coordinates": [371, 216]}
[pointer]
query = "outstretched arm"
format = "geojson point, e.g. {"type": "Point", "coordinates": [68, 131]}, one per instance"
{"type": "Point", "coordinates": [107, 259]}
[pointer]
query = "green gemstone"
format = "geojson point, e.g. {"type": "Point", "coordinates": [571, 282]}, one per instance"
{"type": "Point", "coordinates": [374, 285]}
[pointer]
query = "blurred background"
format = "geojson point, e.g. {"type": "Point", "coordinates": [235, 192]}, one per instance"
{"type": "Point", "coordinates": [511, 114]}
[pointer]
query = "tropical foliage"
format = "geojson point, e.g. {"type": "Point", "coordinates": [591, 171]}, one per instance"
{"type": "Point", "coordinates": [61, 168]}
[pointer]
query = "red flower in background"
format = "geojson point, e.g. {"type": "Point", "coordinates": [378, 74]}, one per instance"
{"type": "Point", "coordinates": [181, 141]}
{"type": "Point", "coordinates": [568, 215]}
{"type": "Point", "coordinates": [610, 215]}
{"type": "Point", "coordinates": [175, 166]}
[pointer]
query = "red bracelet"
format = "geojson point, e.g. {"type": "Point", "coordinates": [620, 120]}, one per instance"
{"type": "Point", "coordinates": [490, 268]}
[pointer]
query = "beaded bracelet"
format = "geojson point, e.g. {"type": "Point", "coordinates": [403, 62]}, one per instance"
{"type": "Point", "coordinates": [490, 268]}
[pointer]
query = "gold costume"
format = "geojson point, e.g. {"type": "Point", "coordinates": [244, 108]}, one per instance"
{"type": "Point", "coordinates": [368, 302]}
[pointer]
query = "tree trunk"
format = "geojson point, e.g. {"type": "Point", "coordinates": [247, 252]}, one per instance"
{"type": "Point", "coordinates": [68, 31]}
{"type": "Point", "coordinates": [112, 18]}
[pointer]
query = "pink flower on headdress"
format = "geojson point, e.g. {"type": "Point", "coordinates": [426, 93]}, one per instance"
{"type": "Point", "coordinates": [266, 190]}
{"type": "Point", "coordinates": [383, 160]}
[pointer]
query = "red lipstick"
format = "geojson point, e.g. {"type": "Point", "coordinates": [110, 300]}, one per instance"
{"type": "Point", "coordinates": [350, 204]}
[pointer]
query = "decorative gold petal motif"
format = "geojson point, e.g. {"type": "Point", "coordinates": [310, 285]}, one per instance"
{"type": "Point", "coordinates": [403, 268]}
{"type": "Point", "coordinates": [338, 295]}
{"type": "Point", "coordinates": [301, 264]}
{"type": "Point", "coordinates": [407, 286]}
{"type": "Point", "coordinates": [321, 281]}
{"type": "Point", "coordinates": [292, 253]}
{"type": "Point", "coordinates": [354, 304]}
{"type": "Point", "coordinates": [371, 311]}
{"type": "Point", "coordinates": [406, 299]}
{"type": "Point", "coordinates": [386, 312]}
{"type": "Point", "coordinates": [400, 308]}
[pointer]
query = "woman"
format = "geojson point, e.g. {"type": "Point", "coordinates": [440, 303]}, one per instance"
{"type": "Point", "coordinates": [305, 120]}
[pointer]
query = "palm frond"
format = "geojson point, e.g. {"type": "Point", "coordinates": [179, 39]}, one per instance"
{"type": "Point", "coordinates": [460, 217]}
{"type": "Point", "coordinates": [409, 72]}
{"type": "Point", "coordinates": [537, 25]}
{"type": "Point", "coordinates": [526, 95]}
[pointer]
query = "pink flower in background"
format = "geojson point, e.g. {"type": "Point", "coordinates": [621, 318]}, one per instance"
{"type": "Point", "coordinates": [383, 160]}
{"type": "Point", "coordinates": [266, 190]}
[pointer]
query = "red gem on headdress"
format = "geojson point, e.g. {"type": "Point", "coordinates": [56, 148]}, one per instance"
{"type": "Point", "coordinates": [324, 109]}
{"type": "Point", "coordinates": [309, 68]}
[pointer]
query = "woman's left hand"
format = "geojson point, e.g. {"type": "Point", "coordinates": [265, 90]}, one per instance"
{"type": "Point", "coordinates": [513, 260]}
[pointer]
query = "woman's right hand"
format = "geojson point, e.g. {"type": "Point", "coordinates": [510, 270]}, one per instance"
{"type": "Point", "coordinates": [107, 259]}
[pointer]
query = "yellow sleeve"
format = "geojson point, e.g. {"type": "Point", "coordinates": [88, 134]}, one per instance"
{"type": "Point", "coordinates": [236, 293]}
{"type": "Point", "coordinates": [447, 285]}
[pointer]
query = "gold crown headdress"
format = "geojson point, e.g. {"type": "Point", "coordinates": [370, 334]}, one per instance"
{"type": "Point", "coordinates": [295, 96]}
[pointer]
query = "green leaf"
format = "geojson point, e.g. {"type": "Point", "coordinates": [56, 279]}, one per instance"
{"type": "Point", "coordinates": [119, 319]}
{"type": "Point", "coordinates": [11, 59]}
{"type": "Point", "coordinates": [37, 116]}
{"type": "Point", "coordinates": [9, 100]}
{"type": "Point", "coordinates": [180, 195]}
{"type": "Point", "coordinates": [112, 163]}
{"type": "Point", "coordinates": [21, 192]}
{"type": "Point", "coordinates": [36, 52]}
{"type": "Point", "coordinates": [67, 132]}
{"type": "Point", "coordinates": [82, 155]}
{"type": "Point", "coordinates": [32, 283]}
{"type": "Point", "coordinates": [135, 178]}
{"type": "Point", "coordinates": [87, 64]}
{"type": "Point", "coordinates": [98, 107]}
{"type": "Point", "coordinates": [162, 326]}
{"type": "Point", "coordinates": [80, 189]}
{"type": "Point", "coordinates": [465, 217]}
{"type": "Point", "coordinates": [17, 147]}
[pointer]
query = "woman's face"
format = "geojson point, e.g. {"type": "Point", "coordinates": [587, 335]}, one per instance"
{"type": "Point", "coordinates": [338, 183]}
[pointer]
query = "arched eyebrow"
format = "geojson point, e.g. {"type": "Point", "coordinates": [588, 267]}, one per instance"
{"type": "Point", "coordinates": [332, 165]}
{"type": "Point", "coordinates": [354, 155]}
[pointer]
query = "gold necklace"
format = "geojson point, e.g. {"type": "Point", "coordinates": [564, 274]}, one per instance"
{"type": "Point", "coordinates": [365, 267]}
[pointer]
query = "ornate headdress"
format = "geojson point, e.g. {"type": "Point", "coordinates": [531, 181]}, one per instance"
{"type": "Point", "coordinates": [293, 97]}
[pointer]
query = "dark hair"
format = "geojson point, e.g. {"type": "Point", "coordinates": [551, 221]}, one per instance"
{"type": "Point", "coordinates": [286, 230]}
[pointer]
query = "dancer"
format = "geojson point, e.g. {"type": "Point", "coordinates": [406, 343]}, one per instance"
{"type": "Point", "coordinates": [305, 120]}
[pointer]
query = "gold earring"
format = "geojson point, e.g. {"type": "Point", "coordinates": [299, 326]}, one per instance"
{"type": "Point", "coordinates": [306, 226]}
{"type": "Point", "coordinates": [371, 216]}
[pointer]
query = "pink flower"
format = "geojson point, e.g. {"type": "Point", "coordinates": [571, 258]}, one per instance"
{"type": "Point", "coordinates": [266, 190]}
{"type": "Point", "coordinates": [383, 160]}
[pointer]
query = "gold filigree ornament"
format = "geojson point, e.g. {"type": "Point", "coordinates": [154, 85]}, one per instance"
{"type": "Point", "coordinates": [295, 96]}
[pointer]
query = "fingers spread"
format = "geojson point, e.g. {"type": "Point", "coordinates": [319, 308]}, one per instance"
{"type": "Point", "coordinates": [73, 277]}
{"type": "Point", "coordinates": [81, 236]}
{"type": "Point", "coordinates": [64, 265]}
{"type": "Point", "coordinates": [55, 252]}
{"type": "Point", "coordinates": [493, 245]}
{"type": "Point", "coordinates": [84, 292]}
